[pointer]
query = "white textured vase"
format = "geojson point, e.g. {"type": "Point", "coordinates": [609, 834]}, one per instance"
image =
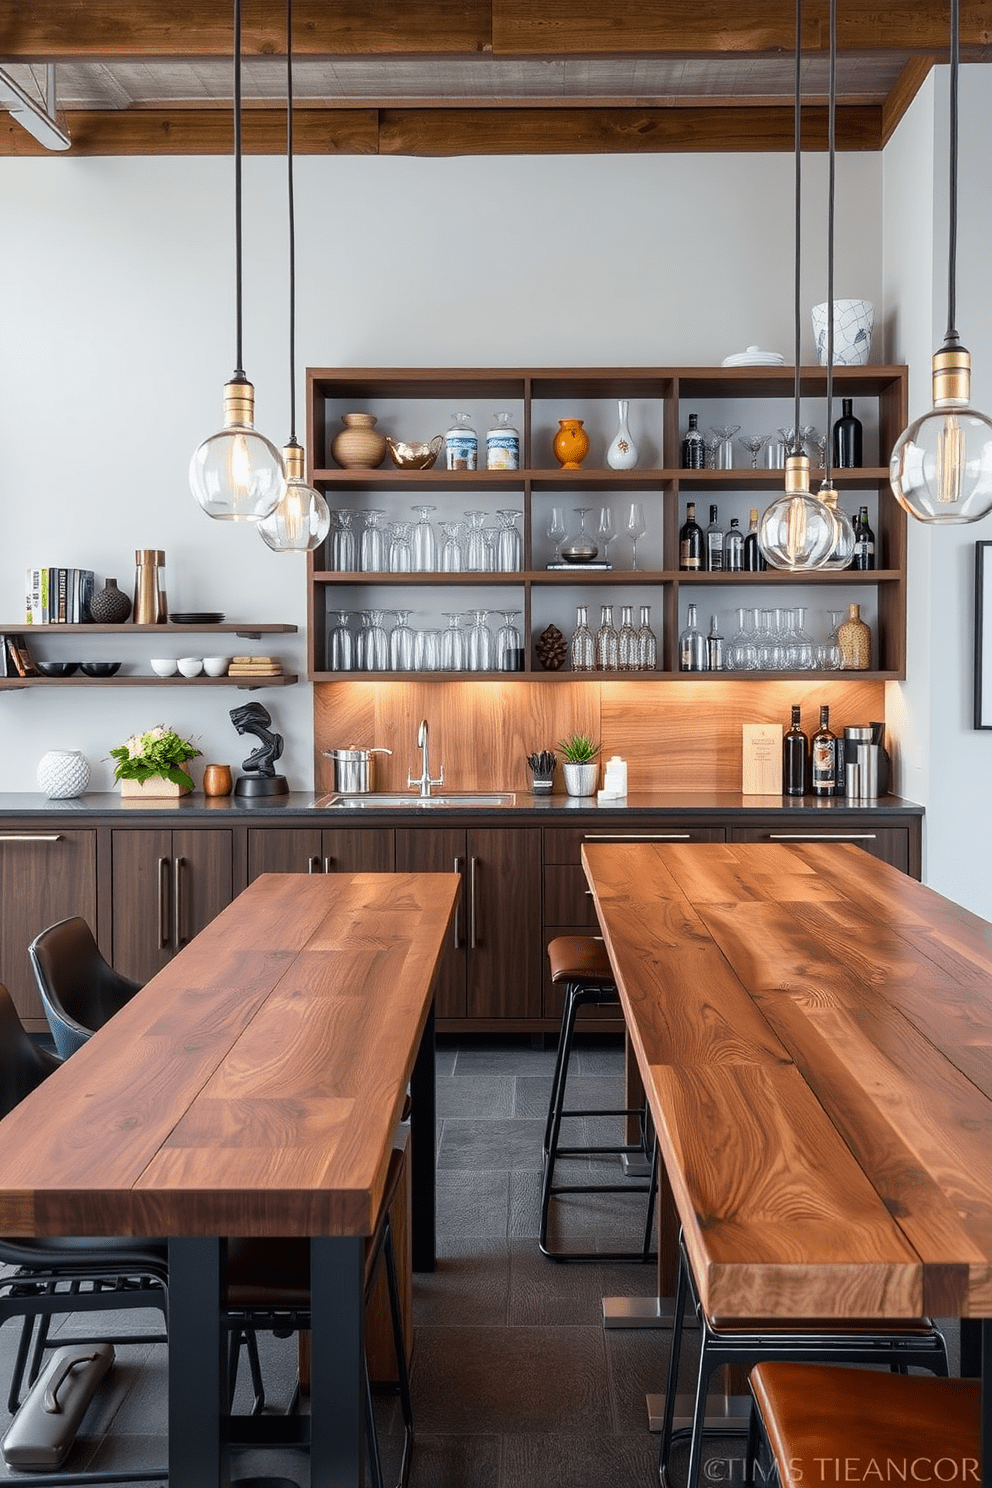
{"type": "Point", "coordinates": [580, 780]}
{"type": "Point", "coordinates": [853, 321]}
{"type": "Point", "coordinates": [622, 453]}
{"type": "Point", "coordinates": [63, 773]}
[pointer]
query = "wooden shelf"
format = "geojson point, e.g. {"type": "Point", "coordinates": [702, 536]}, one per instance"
{"type": "Point", "coordinates": [248, 628]}
{"type": "Point", "coordinates": [12, 684]}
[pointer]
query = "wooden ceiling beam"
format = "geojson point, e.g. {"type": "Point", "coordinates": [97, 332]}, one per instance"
{"type": "Point", "coordinates": [65, 29]}
{"type": "Point", "coordinates": [452, 131]}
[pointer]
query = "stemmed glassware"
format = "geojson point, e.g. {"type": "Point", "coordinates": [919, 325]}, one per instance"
{"type": "Point", "coordinates": [807, 434]}
{"type": "Point", "coordinates": [402, 641]}
{"type": "Point", "coordinates": [480, 642]}
{"type": "Point", "coordinates": [712, 445]}
{"type": "Point", "coordinates": [345, 543]}
{"type": "Point", "coordinates": [508, 642]}
{"type": "Point", "coordinates": [400, 551]}
{"type": "Point", "coordinates": [742, 653]}
{"type": "Point", "coordinates": [557, 531]}
{"type": "Point", "coordinates": [635, 528]}
{"type": "Point", "coordinates": [754, 444]}
{"type": "Point", "coordinates": [341, 644]}
{"type": "Point", "coordinates": [454, 655]}
{"type": "Point", "coordinates": [829, 656]}
{"type": "Point", "coordinates": [803, 652]}
{"type": "Point", "coordinates": [452, 548]}
{"type": "Point", "coordinates": [820, 440]}
{"type": "Point", "coordinates": [725, 448]}
{"type": "Point", "coordinates": [374, 642]}
{"type": "Point", "coordinates": [424, 541]}
{"type": "Point", "coordinates": [374, 549]}
{"type": "Point", "coordinates": [607, 531]}
{"type": "Point", "coordinates": [509, 543]}
{"type": "Point", "coordinates": [477, 548]}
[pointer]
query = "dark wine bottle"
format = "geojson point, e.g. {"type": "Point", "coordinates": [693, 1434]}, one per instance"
{"type": "Point", "coordinates": [823, 750]}
{"type": "Point", "coordinates": [754, 558]}
{"type": "Point", "coordinates": [733, 548]}
{"type": "Point", "coordinates": [795, 758]}
{"type": "Point", "coordinates": [690, 541]}
{"type": "Point", "coordinates": [864, 542]}
{"type": "Point", "coordinates": [714, 544]}
{"type": "Point", "coordinates": [693, 446]}
{"type": "Point", "coordinates": [847, 439]}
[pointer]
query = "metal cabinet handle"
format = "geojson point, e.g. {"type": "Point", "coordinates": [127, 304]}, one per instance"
{"type": "Point", "coordinates": [328, 865]}
{"type": "Point", "coordinates": [473, 936]}
{"type": "Point", "coordinates": [177, 903]}
{"type": "Point", "coordinates": [637, 837]}
{"type": "Point", "coordinates": [822, 836]}
{"type": "Point", "coordinates": [163, 903]}
{"type": "Point", "coordinates": [313, 865]}
{"type": "Point", "coordinates": [458, 909]}
{"type": "Point", "coordinates": [29, 837]}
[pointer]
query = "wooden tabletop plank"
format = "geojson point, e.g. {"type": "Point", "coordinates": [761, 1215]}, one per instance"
{"type": "Point", "coordinates": [253, 1086]}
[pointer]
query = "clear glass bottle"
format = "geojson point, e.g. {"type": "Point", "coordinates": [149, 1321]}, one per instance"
{"type": "Point", "coordinates": [607, 643]}
{"type": "Point", "coordinates": [647, 643]}
{"type": "Point", "coordinates": [502, 444]}
{"type": "Point", "coordinates": [714, 543]}
{"type": "Point", "coordinates": [627, 640]}
{"type": "Point", "coordinates": [692, 645]}
{"type": "Point", "coordinates": [582, 649]}
{"type": "Point", "coordinates": [733, 548]}
{"type": "Point", "coordinates": [714, 648]}
{"type": "Point", "coordinates": [693, 446]}
{"type": "Point", "coordinates": [461, 444]}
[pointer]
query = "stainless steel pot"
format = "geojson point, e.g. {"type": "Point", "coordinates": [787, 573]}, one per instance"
{"type": "Point", "coordinates": [353, 769]}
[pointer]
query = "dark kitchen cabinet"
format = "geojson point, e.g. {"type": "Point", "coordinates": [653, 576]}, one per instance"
{"type": "Point", "coordinates": [46, 875]}
{"type": "Point", "coordinates": [312, 850]}
{"type": "Point", "coordinates": [167, 885]}
{"type": "Point", "coordinates": [898, 844]}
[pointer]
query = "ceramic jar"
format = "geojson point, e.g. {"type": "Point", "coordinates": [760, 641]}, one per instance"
{"type": "Point", "coordinates": [854, 638]}
{"type": "Point", "coordinates": [461, 444]}
{"type": "Point", "coordinates": [63, 773]}
{"type": "Point", "coordinates": [622, 453]}
{"type": "Point", "coordinates": [571, 444]}
{"type": "Point", "coordinates": [359, 446]}
{"type": "Point", "coordinates": [502, 445]}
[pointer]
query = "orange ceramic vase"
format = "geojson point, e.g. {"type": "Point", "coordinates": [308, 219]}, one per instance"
{"type": "Point", "coordinates": [571, 444]}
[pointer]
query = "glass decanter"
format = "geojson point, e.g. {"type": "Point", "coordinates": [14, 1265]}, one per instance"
{"type": "Point", "coordinates": [607, 642]}
{"type": "Point", "coordinates": [647, 643]}
{"type": "Point", "coordinates": [582, 650]}
{"type": "Point", "coordinates": [424, 542]}
{"type": "Point", "coordinates": [581, 548]}
{"type": "Point", "coordinates": [627, 640]}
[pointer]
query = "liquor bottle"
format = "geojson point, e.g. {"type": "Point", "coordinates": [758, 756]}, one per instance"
{"type": "Point", "coordinates": [754, 558]}
{"type": "Point", "coordinates": [714, 648]}
{"type": "Point", "coordinates": [847, 439]}
{"type": "Point", "coordinates": [823, 748]}
{"type": "Point", "coordinates": [864, 542]}
{"type": "Point", "coordinates": [692, 646]}
{"type": "Point", "coordinates": [795, 757]}
{"type": "Point", "coordinates": [733, 555]}
{"type": "Point", "coordinates": [714, 544]}
{"type": "Point", "coordinates": [693, 446]}
{"type": "Point", "coordinates": [690, 540]}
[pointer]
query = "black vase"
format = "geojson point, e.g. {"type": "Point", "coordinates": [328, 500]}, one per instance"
{"type": "Point", "coordinates": [111, 606]}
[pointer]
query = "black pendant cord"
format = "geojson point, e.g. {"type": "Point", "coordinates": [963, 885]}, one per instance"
{"type": "Point", "coordinates": [951, 334]}
{"type": "Point", "coordinates": [831, 193]}
{"type": "Point", "coordinates": [795, 444]}
{"type": "Point", "coordinates": [239, 373]}
{"type": "Point", "coordinates": [292, 222]}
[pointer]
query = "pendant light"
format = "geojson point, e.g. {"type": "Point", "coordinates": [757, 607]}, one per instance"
{"type": "Point", "coordinates": [237, 475]}
{"type": "Point", "coordinates": [798, 532]}
{"type": "Point", "coordinates": [941, 466]}
{"type": "Point", "coordinates": [844, 547]}
{"type": "Point", "coordinates": [301, 520]}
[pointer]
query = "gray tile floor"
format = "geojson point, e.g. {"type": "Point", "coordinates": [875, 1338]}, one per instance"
{"type": "Point", "coordinates": [516, 1383]}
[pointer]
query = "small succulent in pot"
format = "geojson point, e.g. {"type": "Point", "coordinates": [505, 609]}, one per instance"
{"type": "Point", "coordinates": [578, 749]}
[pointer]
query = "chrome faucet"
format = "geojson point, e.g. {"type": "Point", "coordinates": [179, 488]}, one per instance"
{"type": "Point", "coordinates": [425, 782]}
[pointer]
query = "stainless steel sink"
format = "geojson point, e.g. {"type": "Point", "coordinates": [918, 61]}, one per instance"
{"type": "Point", "coordinates": [382, 800]}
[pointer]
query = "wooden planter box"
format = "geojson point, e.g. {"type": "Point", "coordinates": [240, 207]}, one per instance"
{"type": "Point", "coordinates": [156, 787]}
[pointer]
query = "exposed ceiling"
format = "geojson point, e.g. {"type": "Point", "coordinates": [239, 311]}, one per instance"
{"type": "Point", "coordinates": [436, 77]}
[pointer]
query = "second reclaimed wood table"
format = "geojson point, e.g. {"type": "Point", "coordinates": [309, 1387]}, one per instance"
{"type": "Point", "coordinates": [814, 1033]}
{"type": "Point", "coordinates": [253, 1088]}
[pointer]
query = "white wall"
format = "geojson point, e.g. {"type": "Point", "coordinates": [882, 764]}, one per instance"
{"type": "Point", "coordinates": [117, 338]}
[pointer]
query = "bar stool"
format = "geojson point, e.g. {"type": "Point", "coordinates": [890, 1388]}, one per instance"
{"type": "Point", "coordinates": [819, 1420]}
{"type": "Point", "coordinates": [895, 1342]}
{"type": "Point", "coordinates": [580, 965]}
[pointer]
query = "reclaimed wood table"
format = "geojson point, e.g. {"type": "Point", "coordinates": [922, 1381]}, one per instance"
{"type": "Point", "coordinates": [253, 1088]}
{"type": "Point", "coordinates": [814, 1034]}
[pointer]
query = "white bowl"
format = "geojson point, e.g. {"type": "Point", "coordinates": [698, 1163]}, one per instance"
{"type": "Point", "coordinates": [190, 666]}
{"type": "Point", "coordinates": [164, 666]}
{"type": "Point", "coordinates": [216, 666]}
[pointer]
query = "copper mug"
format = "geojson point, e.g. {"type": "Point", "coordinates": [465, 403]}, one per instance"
{"type": "Point", "coordinates": [217, 780]}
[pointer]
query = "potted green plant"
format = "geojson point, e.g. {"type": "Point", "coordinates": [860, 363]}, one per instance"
{"type": "Point", "coordinates": [154, 764]}
{"type": "Point", "coordinates": [579, 766]}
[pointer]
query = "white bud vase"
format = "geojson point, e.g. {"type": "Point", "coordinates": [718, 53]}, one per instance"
{"type": "Point", "coordinates": [622, 453]}
{"type": "Point", "coordinates": [63, 773]}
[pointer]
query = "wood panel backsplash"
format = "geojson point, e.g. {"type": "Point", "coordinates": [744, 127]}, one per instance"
{"type": "Point", "coordinates": [675, 736]}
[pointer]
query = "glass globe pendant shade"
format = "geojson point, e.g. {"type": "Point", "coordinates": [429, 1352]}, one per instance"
{"type": "Point", "coordinates": [301, 520]}
{"type": "Point", "coordinates": [237, 475]}
{"type": "Point", "coordinates": [941, 466]}
{"type": "Point", "coordinates": [844, 547]}
{"type": "Point", "coordinates": [798, 532]}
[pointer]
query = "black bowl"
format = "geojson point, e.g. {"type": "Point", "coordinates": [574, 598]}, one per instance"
{"type": "Point", "coordinates": [56, 668]}
{"type": "Point", "coordinates": [99, 668]}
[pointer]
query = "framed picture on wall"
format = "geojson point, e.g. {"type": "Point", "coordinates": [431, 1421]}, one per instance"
{"type": "Point", "coordinates": [983, 635]}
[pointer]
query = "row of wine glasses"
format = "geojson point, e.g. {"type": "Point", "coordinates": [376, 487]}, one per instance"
{"type": "Point", "coordinates": [469, 546]}
{"type": "Point", "coordinates": [720, 446]}
{"type": "Point", "coordinates": [628, 648]}
{"type": "Point", "coordinates": [467, 643]}
{"type": "Point", "coordinates": [583, 547]}
{"type": "Point", "coordinates": [770, 640]}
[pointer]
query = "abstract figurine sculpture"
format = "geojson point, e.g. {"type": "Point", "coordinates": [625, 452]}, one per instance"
{"type": "Point", "coordinates": [260, 778]}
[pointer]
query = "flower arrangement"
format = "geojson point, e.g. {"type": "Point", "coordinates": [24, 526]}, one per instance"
{"type": "Point", "coordinates": [161, 751]}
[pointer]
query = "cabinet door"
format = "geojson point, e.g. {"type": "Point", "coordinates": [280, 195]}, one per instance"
{"type": "Point", "coordinates": [896, 844]}
{"type": "Point", "coordinates": [166, 886]}
{"type": "Point", "coordinates": [45, 876]}
{"type": "Point", "coordinates": [504, 923]}
{"type": "Point", "coordinates": [441, 851]}
{"type": "Point", "coordinates": [202, 881]}
{"type": "Point", "coordinates": [284, 850]}
{"type": "Point", "coordinates": [358, 849]}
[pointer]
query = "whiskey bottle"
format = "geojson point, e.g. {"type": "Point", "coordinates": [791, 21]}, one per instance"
{"type": "Point", "coordinates": [693, 446]}
{"type": "Point", "coordinates": [714, 544]}
{"type": "Point", "coordinates": [823, 748]}
{"type": "Point", "coordinates": [692, 646]}
{"type": "Point", "coordinates": [733, 548]}
{"type": "Point", "coordinates": [714, 648]}
{"type": "Point", "coordinates": [795, 757]}
{"type": "Point", "coordinates": [690, 541]}
{"type": "Point", "coordinates": [864, 542]}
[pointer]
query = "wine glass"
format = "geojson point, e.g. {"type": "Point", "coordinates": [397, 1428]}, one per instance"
{"type": "Point", "coordinates": [509, 543]}
{"type": "Point", "coordinates": [508, 642]}
{"type": "Point", "coordinates": [635, 528]}
{"type": "Point", "coordinates": [725, 449]}
{"type": "Point", "coordinates": [341, 644]}
{"type": "Point", "coordinates": [557, 531]}
{"type": "Point", "coordinates": [345, 543]}
{"type": "Point", "coordinates": [477, 548]}
{"type": "Point", "coordinates": [820, 440]}
{"type": "Point", "coordinates": [400, 552]}
{"type": "Point", "coordinates": [606, 531]}
{"type": "Point", "coordinates": [742, 652]}
{"type": "Point", "coordinates": [375, 651]}
{"type": "Point", "coordinates": [754, 444]}
{"type": "Point", "coordinates": [712, 445]}
{"type": "Point", "coordinates": [807, 435]}
{"type": "Point", "coordinates": [424, 541]}
{"type": "Point", "coordinates": [454, 655]}
{"type": "Point", "coordinates": [401, 643]}
{"type": "Point", "coordinates": [452, 549]}
{"type": "Point", "coordinates": [480, 642]}
{"type": "Point", "coordinates": [374, 550]}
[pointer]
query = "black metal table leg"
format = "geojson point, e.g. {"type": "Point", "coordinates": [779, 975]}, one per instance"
{"type": "Point", "coordinates": [423, 1097]}
{"type": "Point", "coordinates": [987, 1402]}
{"type": "Point", "coordinates": [337, 1383]}
{"type": "Point", "coordinates": [198, 1457]}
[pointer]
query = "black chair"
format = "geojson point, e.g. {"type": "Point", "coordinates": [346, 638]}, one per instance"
{"type": "Point", "coordinates": [898, 1344]}
{"type": "Point", "coordinates": [580, 964]}
{"type": "Point", "coordinates": [80, 991]}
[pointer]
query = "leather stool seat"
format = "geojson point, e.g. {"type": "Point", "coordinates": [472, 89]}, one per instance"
{"type": "Point", "coordinates": [581, 958]}
{"type": "Point", "coordinates": [822, 1420]}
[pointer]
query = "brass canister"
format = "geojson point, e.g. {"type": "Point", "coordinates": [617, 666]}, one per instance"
{"type": "Point", "coordinates": [149, 596]}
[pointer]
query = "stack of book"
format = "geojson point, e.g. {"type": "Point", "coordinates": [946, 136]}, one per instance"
{"type": "Point", "coordinates": [15, 658]}
{"type": "Point", "coordinates": [255, 666]}
{"type": "Point", "coordinates": [58, 596]}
